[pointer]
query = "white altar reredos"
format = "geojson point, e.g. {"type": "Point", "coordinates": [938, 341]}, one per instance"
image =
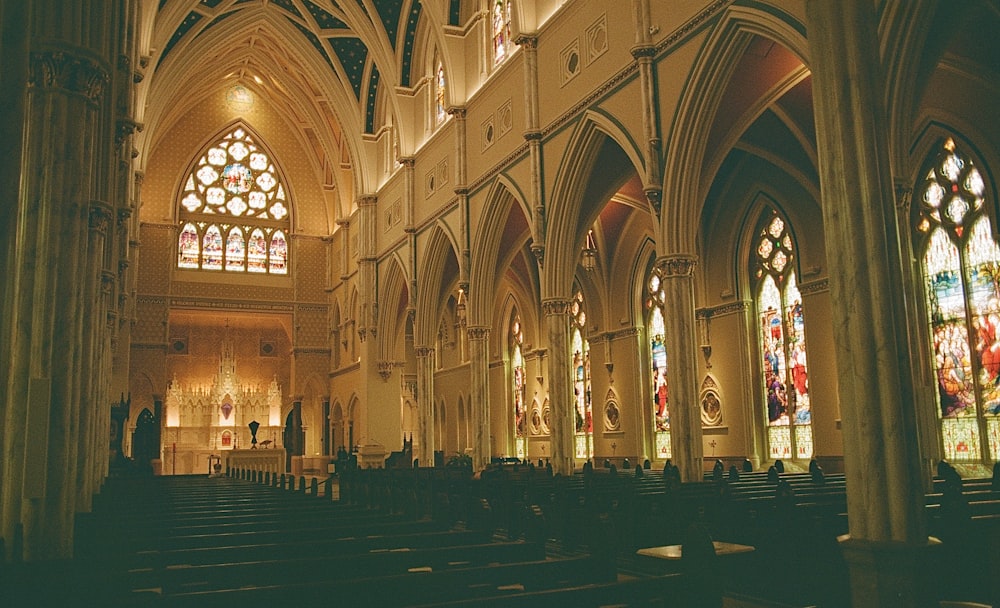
{"type": "Point", "coordinates": [201, 421]}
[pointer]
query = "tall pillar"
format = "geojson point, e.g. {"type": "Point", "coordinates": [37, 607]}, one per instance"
{"type": "Point", "coordinates": [479, 404]}
{"type": "Point", "coordinates": [643, 53]}
{"type": "Point", "coordinates": [533, 135]}
{"type": "Point", "coordinates": [885, 503]}
{"type": "Point", "coordinates": [425, 405]}
{"type": "Point", "coordinates": [560, 375]}
{"type": "Point", "coordinates": [62, 119]}
{"type": "Point", "coordinates": [681, 341]}
{"type": "Point", "coordinates": [92, 376]}
{"type": "Point", "coordinates": [13, 78]}
{"type": "Point", "coordinates": [462, 192]}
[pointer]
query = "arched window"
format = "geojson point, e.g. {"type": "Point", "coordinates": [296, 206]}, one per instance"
{"type": "Point", "coordinates": [501, 30]}
{"type": "Point", "coordinates": [655, 306]}
{"type": "Point", "coordinates": [781, 335]}
{"type": "Point", "coordinates": [581, 378]}
{"type": "Point", "coordinates": [440, 110]}
{"type": "Point", "coordinates": [517, 369]}
{"type": "Point", "coordinates": [234, 210]}
{"type": "Point", "coordinates": [961, 271]}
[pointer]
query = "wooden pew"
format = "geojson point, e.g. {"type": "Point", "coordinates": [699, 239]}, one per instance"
{"type": "Point", "coordinates": [422, 587]}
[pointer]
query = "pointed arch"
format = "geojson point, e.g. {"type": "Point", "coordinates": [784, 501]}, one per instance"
{"type": "Point", "coordinates": [436, 282]}
{"type": "Point", "coordinates": [596, 139]}
{"type": "Point", "coordinates": [686, 176]}
{"type": "Point", "coordinates": [393, 301]}
{"type": "Point", "coordinates": [503, 196]}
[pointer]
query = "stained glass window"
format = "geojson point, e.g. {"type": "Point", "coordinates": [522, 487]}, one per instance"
{"type": "Point", "coordinates": [961, 270]}
{"type": "Point", "coordinates": [580, 348]}
{"type": "Point", "coordinates": [781, 335]}
{"type": "Point", "coordinates": [501, 30]}
{"type": "Point", "coordinates": [656, 332]}
{"type": "Point", "coordinates": [517, 367]}
{"type": "Point", "coordinates": [233, 210]}
{"type": "Point", "coordinates": [440, 110]}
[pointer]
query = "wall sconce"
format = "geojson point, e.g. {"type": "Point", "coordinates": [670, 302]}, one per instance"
{"type": "Point", "coordinates": [589, 258]}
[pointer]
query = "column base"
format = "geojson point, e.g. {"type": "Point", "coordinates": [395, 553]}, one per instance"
{"type": "Point", "coordinates": [884, 574]}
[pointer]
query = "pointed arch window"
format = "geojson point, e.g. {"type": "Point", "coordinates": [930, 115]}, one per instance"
{"type": "Point", "coordinates": [501, 30]}
{"type": "Point", "coordinates": [518, 388]}
{"type": "Point", "coordinates": [781, 339]}
{"type": "Point", "coordinates": [655, 307]}
{"type": "Point", "coordinates": [234, 210]}
{"type": "Point", "coordinates": [580, 348]}
{"type": "Point", "coordinates": [440, 109]}
{"type": "Point", "coordinates": [961, 279]}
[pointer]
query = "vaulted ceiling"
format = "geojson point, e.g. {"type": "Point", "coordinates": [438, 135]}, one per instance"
{"type": "Point", "coordinates": [323, 63]}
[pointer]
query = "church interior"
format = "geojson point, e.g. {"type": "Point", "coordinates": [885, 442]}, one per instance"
{"type": "Point", "coordinates": [288, 236]}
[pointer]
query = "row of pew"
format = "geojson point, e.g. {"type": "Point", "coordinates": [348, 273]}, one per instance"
{"type": "Point", "coordinates": [236, 540]}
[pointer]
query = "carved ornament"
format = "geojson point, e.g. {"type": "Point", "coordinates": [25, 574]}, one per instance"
{"type": "Point", "coordinates": [72, 73]}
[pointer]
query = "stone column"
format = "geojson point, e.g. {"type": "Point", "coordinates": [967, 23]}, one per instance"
{"type": "Point", "coordinates": [92, 377]}
{"type": "Point", "coordinates": [479, 395]}
{"type": "Point", "coordinates": [13, 82]}
{"type": "Point", "coordinates": [885, 503]}
{"type": "Point", "coordinates": [462, 192]}
{"type": "Point", "coordinates": [66, 90]}
{"type": "Point", "coordinates": [560, 373]}
{"type": "Point", "coordinates": [681, 341]}
{"type": "Point", "coordinates": [533, 135]}
{"type": "Point", "coordinates": [643, 53]}
{"type": "Point", "coordinates": [425, 405]}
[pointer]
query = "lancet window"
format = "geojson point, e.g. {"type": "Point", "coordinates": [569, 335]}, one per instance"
{"type": "Point", "coordinates": [501, 30]}
{"type": "Point", "coordinates": [655, 330]}
{"type": "Point", "coordinates": [784, 377]}
{"type": "Point", "coordinates": [518, 388]}
{"type": "Point", "coordinates": [584, 436]}
{"type": "Point", "coordinates": [961, 281]}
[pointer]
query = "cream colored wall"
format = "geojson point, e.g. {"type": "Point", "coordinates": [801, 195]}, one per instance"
{"type": "Point", "coordinates": [606, 89]}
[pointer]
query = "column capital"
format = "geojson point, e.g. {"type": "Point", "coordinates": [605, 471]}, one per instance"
{"type": "Point", "coordinates": [366, 200]}
{"type": "Point", "coordinates": [407, 161]}
{"type": "Point", "coordinates": [677, 265]}
{"type": "Point", "coordinates": [424, 351]}
{"type": "Point", "coordinates": [904, 197]}
{"type": "Point", "coordinates": [457, 112]}
{"type": "Point", "coordinates": [528, 41]}
{"type": "Point", "coordinates": [555, 307]}
{"type": "Point", "coordinates": [643, 51]}
{"type": "Point", "coordinates": [384, 369]}
{"type": "Point", "coordinates": [478, 333]}
{"type": "Point", "coordinates": [77, 74]}
{"type": "Point", "coordinates": [100, 216]}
